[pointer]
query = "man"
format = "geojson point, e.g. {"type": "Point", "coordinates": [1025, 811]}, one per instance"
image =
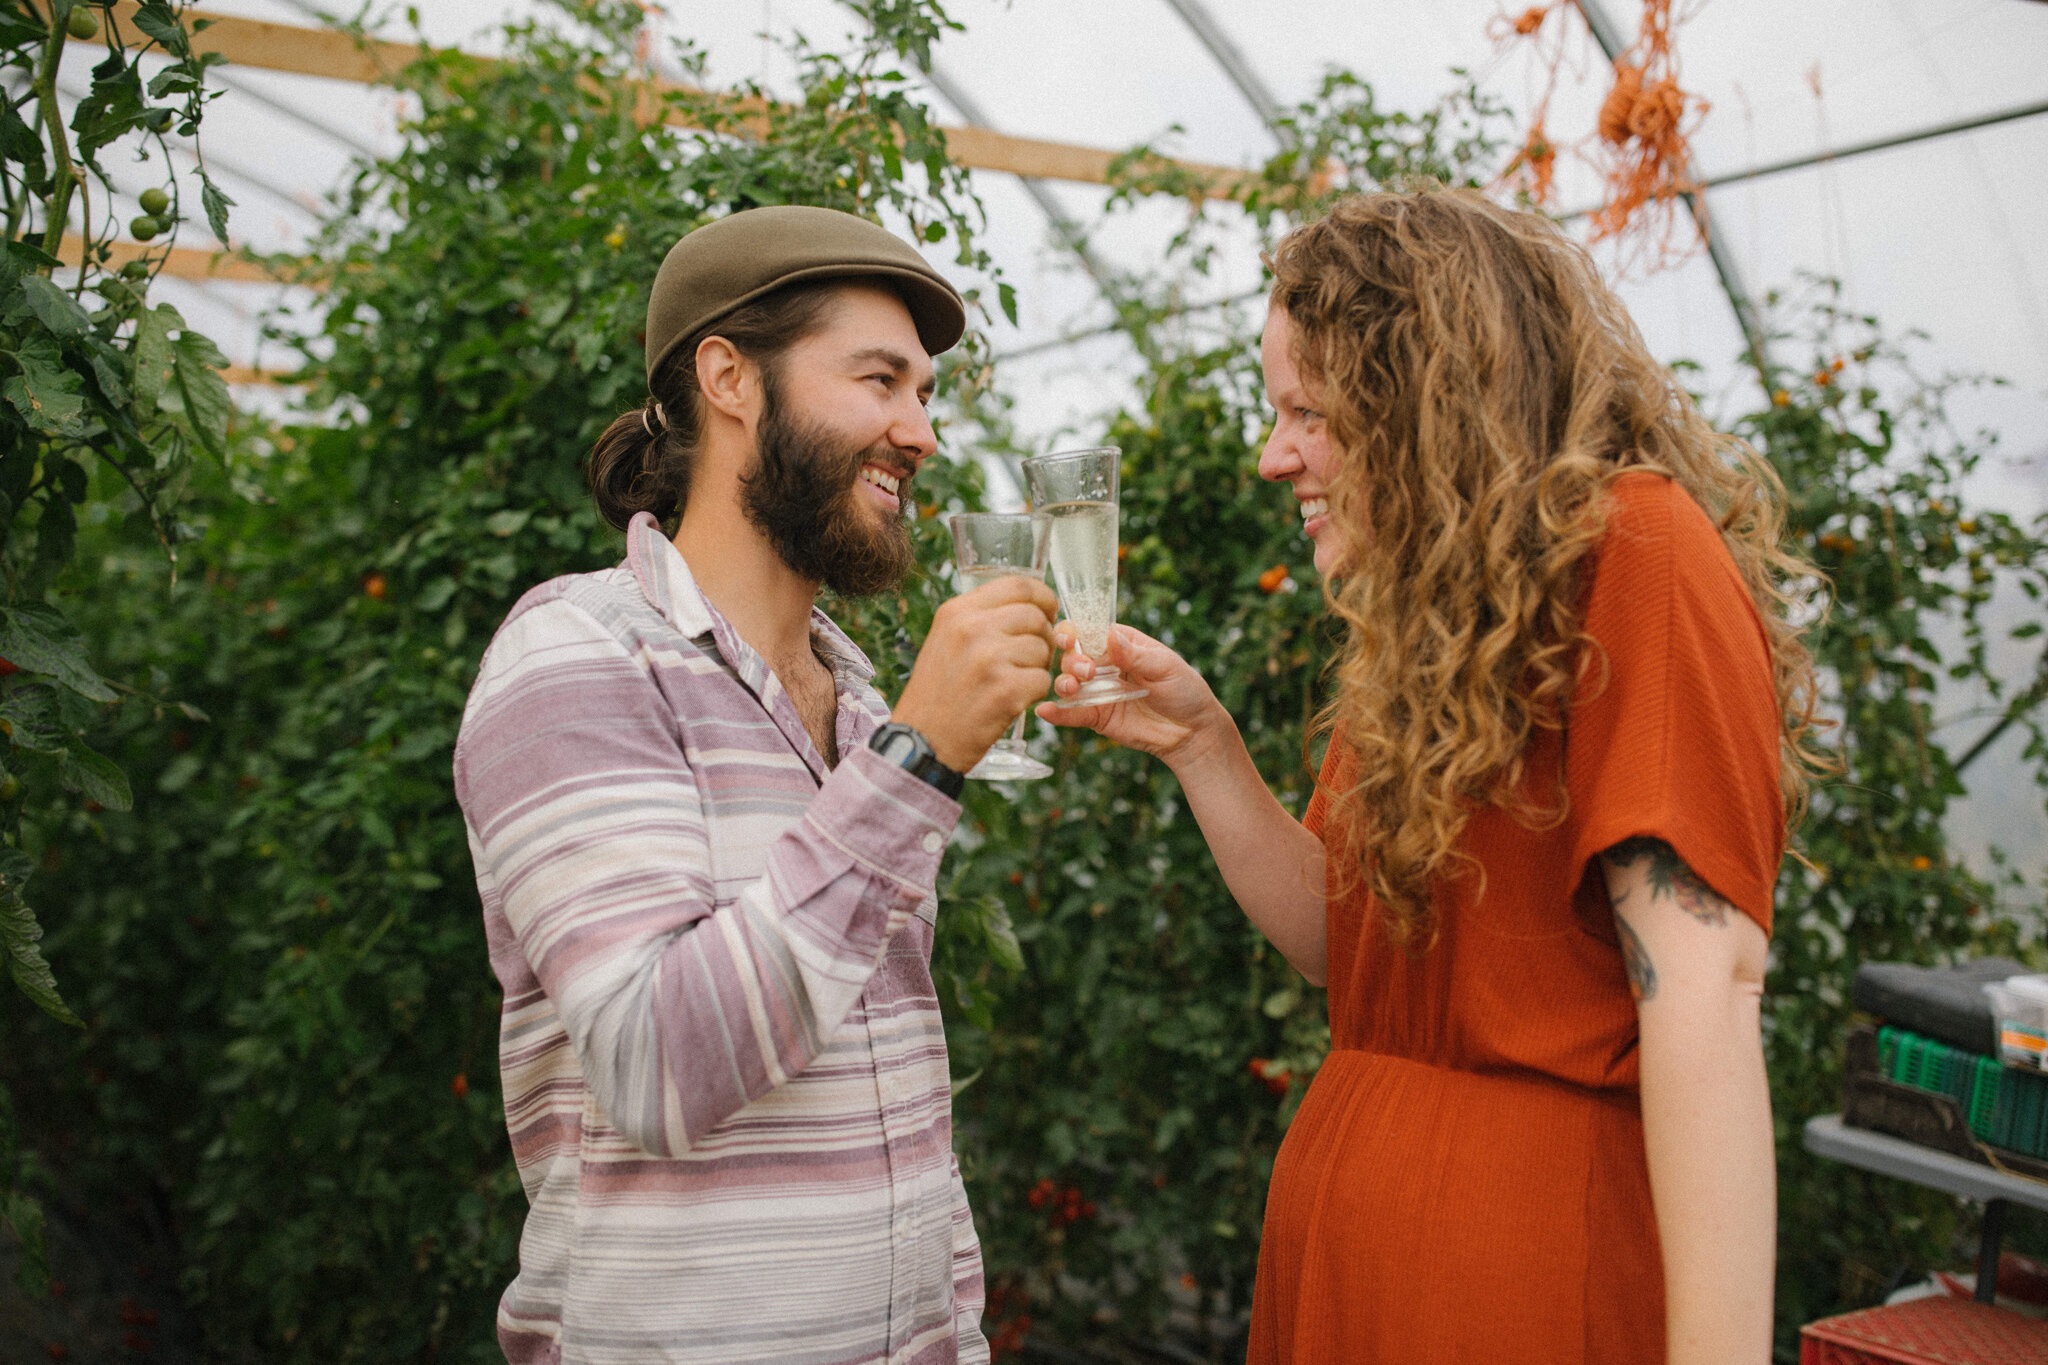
{"type": "Point", "coordinates": [706, 847]}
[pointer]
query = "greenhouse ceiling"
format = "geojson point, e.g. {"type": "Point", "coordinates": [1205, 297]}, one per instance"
{"type": "Point", "coordinates": [1898, 146]}
{"type": "Point", "coordinates": [1913, 137]}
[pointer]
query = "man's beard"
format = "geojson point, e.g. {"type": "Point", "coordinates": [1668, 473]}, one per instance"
{"type": "Point", "coordinates": [802, 495]}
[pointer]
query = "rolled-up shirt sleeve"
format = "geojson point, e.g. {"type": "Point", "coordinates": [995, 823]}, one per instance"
{"type": "Point", "coordinates": [587, 819]}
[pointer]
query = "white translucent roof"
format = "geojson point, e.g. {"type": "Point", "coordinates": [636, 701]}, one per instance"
{"type": "Point", "coordinates": [1946, 235]}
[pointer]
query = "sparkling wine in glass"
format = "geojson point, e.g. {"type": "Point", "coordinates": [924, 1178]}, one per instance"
{"type": "Point", "coordinates": [1077, 490]}
{"type": "Point", "coordinates": [988, 546]}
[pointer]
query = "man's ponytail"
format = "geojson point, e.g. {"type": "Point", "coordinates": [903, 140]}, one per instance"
{"type": "Point", "coordinates": [639, 465]}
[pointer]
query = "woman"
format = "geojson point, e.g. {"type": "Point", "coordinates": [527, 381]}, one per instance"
{"type": "Point", "coordinates": [1537, 871]}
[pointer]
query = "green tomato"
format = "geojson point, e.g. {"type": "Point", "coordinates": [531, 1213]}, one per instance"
{"type": "Point", "coordinates": [10, 787]}
{"type": "Point", "coordinates": [135, 270]}
{"type": "Point", "coordinates": [155, 201]}
{"type": "Point", "coordinates": [158, 120]}
{"type": "Point", "coordinates": [83, 24]}
{"type": "Point", "coordinates": [144, 228]}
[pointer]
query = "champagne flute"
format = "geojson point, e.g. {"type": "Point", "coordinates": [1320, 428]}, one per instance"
{"type": "Point", "coordinates": [1077, 490]}
{"type": "Point", "coordinates": [988, 546]}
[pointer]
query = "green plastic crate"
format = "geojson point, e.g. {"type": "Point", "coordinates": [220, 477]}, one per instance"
{"type": "Point", "coordinates": [1984, 1096]}
{"type": "Point", "coordinates": [2002, 1105]}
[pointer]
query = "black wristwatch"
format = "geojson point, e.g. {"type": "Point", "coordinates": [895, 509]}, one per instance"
{"type": "Point", "coordinates": [908, 750]}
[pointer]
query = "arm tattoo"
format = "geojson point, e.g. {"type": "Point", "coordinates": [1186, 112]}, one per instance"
{"type": "Point", "coordinates": [1642, 973]}
{"type": "Point", "coordinates": [1670, 879]}
{"type": "Point", "coordinates": [1669, 876]}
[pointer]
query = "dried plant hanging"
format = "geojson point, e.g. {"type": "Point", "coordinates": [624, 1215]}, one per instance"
{"type": "Point", "coordinates": [1534, 166]}
{"type": "Point", "coordinates": [1641, 141]}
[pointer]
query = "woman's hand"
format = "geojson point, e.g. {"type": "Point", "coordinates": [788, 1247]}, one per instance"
{"type": "Point", "coordinates": [1170, 724]}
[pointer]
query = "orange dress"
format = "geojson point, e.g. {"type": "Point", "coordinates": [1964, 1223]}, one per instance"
{"type": "Point", "coordinates": [1465, 1181]}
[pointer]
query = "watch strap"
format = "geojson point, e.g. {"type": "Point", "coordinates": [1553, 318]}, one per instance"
{"type": "Point", "coordinates": [916, 757]}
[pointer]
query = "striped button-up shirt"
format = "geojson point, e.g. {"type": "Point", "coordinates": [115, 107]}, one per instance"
{"type": "Point", "coordinates": [724, 1072]}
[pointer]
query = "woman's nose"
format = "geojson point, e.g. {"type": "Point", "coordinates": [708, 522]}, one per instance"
{"type": "Point", "coordinates": [1278, 459]}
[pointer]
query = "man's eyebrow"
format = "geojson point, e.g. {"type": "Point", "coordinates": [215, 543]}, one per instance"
{"type": "Point", "coordinates": [895, 360]}
{"type": "Point", "coordinates": [883, 355]}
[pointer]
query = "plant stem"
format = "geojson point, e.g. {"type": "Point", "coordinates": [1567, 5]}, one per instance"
{"type": "Point", "coordinates": [85, 239]}
{"type": "Point", "coordinates": [62, 174]}
{"type": "Point", "coordinates": [16, 192]}
{"type": "Point", "coordinates": [2023, 703]}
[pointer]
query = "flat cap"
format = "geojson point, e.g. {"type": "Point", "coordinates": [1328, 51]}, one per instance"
{"type": "Point", "coordinates": [725, 265]}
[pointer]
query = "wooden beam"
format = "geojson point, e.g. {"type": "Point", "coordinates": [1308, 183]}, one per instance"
{"type": "Point", "coordinates": [181, 262]}
{"type": "Point", "coordinates": [340, 56]}
{"type": "Point", "coordinates": [287, 47]}
{"type": "Point", "coordinates": [245, 374]}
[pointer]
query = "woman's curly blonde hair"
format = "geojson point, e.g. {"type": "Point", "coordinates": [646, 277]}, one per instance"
{"type": "Point", "coordinates": [1482, 388]}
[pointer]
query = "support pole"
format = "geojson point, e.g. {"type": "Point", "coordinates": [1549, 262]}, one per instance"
{"type": "Point", "coordinates": [1064, 229]}
{"type": "Point", "coordinates": [1231, 58]}
{"type": "Point", "coordinates": [1988, 1249]}
{"type": "Point", "coordinates": [2026, 701]}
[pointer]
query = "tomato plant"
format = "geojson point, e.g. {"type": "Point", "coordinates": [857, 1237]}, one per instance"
{"type": "Point", "coordinates": [95, 384]}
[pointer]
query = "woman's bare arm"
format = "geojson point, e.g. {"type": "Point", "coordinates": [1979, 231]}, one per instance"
{"type": "Point", "coordinates": [1272, 865]}
{"type": "Point", "coordinates": [1696, 965]}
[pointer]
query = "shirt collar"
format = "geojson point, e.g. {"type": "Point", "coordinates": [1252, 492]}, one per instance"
{"type": "Point", "coordinates": [667, 583]}
{"type": "Point", "coordinates": [664, 576]}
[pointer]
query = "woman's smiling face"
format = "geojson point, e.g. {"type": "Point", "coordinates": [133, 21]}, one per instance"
{"type": "Point", "coordinates": [1298, 452]}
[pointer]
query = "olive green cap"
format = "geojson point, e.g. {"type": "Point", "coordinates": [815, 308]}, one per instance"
{"type": "Point", "coordinates": [725, 265]}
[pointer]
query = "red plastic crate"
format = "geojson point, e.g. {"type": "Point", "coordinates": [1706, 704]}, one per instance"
{"type": "Point", "coordinates": [1932, 1331]}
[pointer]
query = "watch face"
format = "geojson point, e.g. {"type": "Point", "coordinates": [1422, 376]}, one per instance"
{"type": "Point", "coordinates": [899, 746]}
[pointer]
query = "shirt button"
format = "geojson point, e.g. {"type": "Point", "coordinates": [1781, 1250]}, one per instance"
{"type": "Point", "coordinates": [932, 841]}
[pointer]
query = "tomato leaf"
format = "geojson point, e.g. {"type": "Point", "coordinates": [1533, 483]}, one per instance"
{"type": "Point", "coordinates": [39, 727]}
{"type": "Point", "coordinates": [57, 310]}
{"type": "Point", "coordinates": [21, 940]}
{"type": "Point", "coordinates": [998, 934]}
{"type": "Point", "coordinates": [508, 521]}
{"type": "Point", "coordinates": [17, 140]}
{"type": "Point", "coordinates": [198, 363]}
{"type": "Point", "coordinates": [37, 638]}
{"type": "Point", "coordinates": [216, 205]}
{"type": "Point", "coordinates": [94, 776]}
{"type": "Point", "coordinates": [24, 1215]}
{"type": "Point", "coordinates": [45, 393]}
{"type": "Point", "coordinates": [155, 357]}
{"type": "Point", "coordinates": [160, 22]}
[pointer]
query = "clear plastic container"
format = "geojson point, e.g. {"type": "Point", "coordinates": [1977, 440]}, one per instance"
{"type": "Point", "coordinates": [2020, 1005]}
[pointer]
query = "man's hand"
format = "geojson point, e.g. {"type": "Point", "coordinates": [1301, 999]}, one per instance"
{"type": "Point", "coordinates": [988, 657]}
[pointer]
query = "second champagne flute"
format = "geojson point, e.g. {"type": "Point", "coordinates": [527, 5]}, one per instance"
{"type": "Point", "coordinates": [1077, 489]}
{"type": "Point", "coordinates": [988, 546]}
